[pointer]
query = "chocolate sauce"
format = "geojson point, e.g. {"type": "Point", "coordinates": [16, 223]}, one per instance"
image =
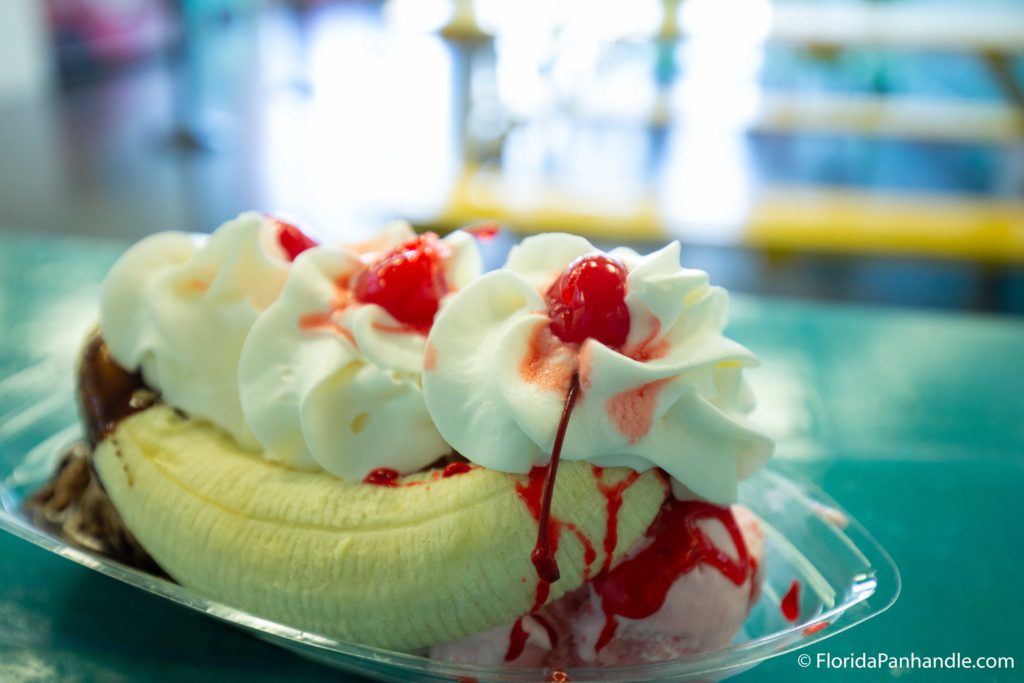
{"type": "Point", "coordinates": [107, 393]}
{"type": "Point", "coordinates": [73, 504]}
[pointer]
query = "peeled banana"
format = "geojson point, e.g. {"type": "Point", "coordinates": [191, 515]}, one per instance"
{"type": "Point", "coordinates": [399, 568]}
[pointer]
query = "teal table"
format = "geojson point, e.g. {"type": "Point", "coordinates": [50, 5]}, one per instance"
{"type": "Point", "coordinates": [913, 421]}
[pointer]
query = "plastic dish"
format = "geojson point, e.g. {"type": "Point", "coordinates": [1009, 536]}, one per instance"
{"type": "Point", "coordinates": [845, 576]}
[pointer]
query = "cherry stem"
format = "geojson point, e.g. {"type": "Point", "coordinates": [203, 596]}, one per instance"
{"type": "Point", "coordinates": [543, 559]}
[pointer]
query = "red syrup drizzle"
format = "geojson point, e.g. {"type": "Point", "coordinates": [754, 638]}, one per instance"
{"type": "Point", "coordinates": [516, 641]}
{"type": "Point", "coordinates": [637, 587]}
{"type": "Point", "coordinates": [485, 232]}
{"type": "Point", "coordinates": [382, 476]}
{"type": "Point", "coordinates": [453, 468]}
{"type": "Point", "coordinates": [613, 503]}
{"type": "Point", "coordinates": [518, 637]}
{"type": "Point", "coordinates": [536, 494]}
{"type": "Point", "coordinates": [790, 604]}
{"type": "Point", "coordinates": [586, 301]}
{"type": "Point", "coordinates": [388, 478]}
{"type": "Point", "coordinates": [816, 628]}
{"type": "Point", "coordinates": [292, 240]}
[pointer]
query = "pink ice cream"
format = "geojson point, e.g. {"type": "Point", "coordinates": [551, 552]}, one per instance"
{"type": "Point", "coordinates": [690, 580]}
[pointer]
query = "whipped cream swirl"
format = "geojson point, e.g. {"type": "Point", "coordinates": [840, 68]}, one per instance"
{"type": "Point", "coordinates": [673, 396]}
{"type": "Point", "coordinates": [178, 307]}
{"type": "Point", "coordinates": [329, 381]}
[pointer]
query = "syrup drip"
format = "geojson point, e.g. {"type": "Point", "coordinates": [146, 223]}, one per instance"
{"type": "Point", "coordinates": [453, 468]}
{"type": "Point", "coordinates": [388, 478]}
{"type": "Point", "coordinates": [532, 494]}
{"type": "Point", "coordinates": [485, 232]}
{"type": "Point", "coordinates": [382, 476]}
{"type": "Point", "coordinates": [518, 637]}
{"type": "Point", "coordinates": [790, 604]}
{"type": "Point", "coordinates": [636, 588]}
{"type": "Point", "coordinates": [613, 503]}
{"type": "Point", "coordinates": [816, 628]}
{"type": "Point", "coordinates": [589, 553]}
{"type": "Point", "coordinates": [516, 641]}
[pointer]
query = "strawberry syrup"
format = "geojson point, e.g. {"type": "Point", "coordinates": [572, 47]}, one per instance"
{"type": "Point", "coordinates": [485, 232]}
{"type": "Point", "coordinates": [382, 476]}
{"type": "Point", "coordinates": [453, 468]}
{"type": "Point", "coordinates": [790, 604]}
{"type": "Point", "coordinates": [637, 587]}
{"type": "Point", "coordinates": [613, 503]}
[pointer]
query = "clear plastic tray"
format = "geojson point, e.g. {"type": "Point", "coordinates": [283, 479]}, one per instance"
{"type": "Point", "coordinates": [845, 576]}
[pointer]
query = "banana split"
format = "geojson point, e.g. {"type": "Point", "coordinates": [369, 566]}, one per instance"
{"type": "Point", "coordinates": [535, 466]}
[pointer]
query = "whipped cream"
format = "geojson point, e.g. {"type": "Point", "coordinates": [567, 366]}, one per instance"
{"type": "Point", "coordinates": [328, 381]}
{"type": "Point", "coordinates": [178, 307]}
{"type": "Point", "coordinates": [672, 397]}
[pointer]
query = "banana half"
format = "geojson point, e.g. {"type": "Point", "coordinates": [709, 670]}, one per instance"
{"type": "Point", "coordinates": [431, 560]}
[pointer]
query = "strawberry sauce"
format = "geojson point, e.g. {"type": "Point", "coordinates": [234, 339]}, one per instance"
{"type": "Point", "coordinates": [650, 347]}
{"type": "Point", "coordinates": [328, 321]}
{"type": "Point", "coordinates": [816, 628]}
{"type": "Point", "coordinates": [637, 587]}
{"type": "Point", "coordinates": [485, 232]}
{"type": "Point", "coordinates": [547, 363]}
{"type": "Point", "coordinates": [613, 503]}
{"type": "Point", "coordinates": [516, 641]}
{"type": "Point", "coordinates": [790, 604]}
{"type": "Point", "coordinates": [632, 411]}
{"type": "Point", "coordinates": [518, 637]}
{"type": "Point", "coordinates": [454, 468]}
{"type": "Point", "coordinates": [382, 476]}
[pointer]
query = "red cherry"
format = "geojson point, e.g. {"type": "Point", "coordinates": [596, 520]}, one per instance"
{"type": "Point", "coordinates": [408, 282]}
{"type": "Point", "coordinates": [589, 300]}
{"type": "Point", "coordinates": [292, 240]}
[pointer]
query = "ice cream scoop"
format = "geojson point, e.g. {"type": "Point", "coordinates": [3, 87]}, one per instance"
{"type": "Point", "coordinates": [695, 606]}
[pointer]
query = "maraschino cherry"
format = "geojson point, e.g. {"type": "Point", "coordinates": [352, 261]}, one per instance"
{"type": "Point", "coordinates": [292, 240]}
{"type": "Point", "coordinates": [589, 300]}
{"type": "Point", "coordinates": [408, 282]}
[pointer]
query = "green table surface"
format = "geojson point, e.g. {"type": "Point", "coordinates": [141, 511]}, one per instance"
{"type": "Point", "coordinates": [913, 421]}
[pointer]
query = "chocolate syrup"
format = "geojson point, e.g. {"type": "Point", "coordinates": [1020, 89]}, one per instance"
{"type": "Point", "coordinates": [107, 393]}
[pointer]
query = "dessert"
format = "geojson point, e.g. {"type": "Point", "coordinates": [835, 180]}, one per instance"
{"type": "Point", "coordinates": [378, 443]}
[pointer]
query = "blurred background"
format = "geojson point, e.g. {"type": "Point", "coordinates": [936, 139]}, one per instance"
{"type": "Point", "coordinates": [859, 150]}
